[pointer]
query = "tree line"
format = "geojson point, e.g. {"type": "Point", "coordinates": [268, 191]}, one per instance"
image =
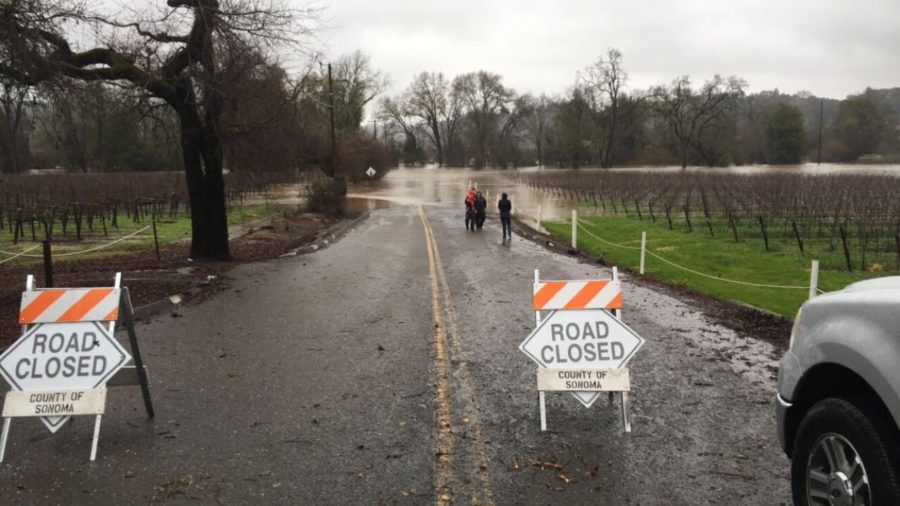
{"type": "Point", "coordinates": [195, 85]}
{"type": "Point", "coordinates": [271, 121]}
{"type": "Point", "coordinates": [475, 119]}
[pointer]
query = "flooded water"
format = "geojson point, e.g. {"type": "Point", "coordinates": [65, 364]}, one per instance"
{"type": "Point", "coordinates": [431, 185]}
{"type": "Point", "coordinates": [810, 169]}
{"type": "Point", "coordinates": [441, 186]}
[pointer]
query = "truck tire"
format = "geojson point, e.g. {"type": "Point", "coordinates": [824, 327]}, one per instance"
{"type": "Point", "coordinates": [833, 434]}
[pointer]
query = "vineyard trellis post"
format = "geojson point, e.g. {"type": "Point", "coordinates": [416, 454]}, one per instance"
{"type": "Point", "coordinates": [765, 234]}
{"type": "Point", "coordinates": [797, 235]}
{"type": "Point", "coordinates": [813, 279]}
{"type": "Point", "coordinates": [48, 265]}
{"type": "Point", "coordinates": [643, 249]}
{"type": "Point", "coordinates": [156, 240]}
{"type": "Point", "coordinates": [574, 229]}
{"type": "Point", "coordinates": [846, 249]}
{"type": "Point", "coordinates": [733, 227]}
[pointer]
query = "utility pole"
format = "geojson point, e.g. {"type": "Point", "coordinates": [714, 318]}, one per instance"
{"type": "Point", "coordinates": [331, 109]}
{"type": "Point", "coordinates": [375, 129]}
{"type": "Point", "coordinates": [821, 113]}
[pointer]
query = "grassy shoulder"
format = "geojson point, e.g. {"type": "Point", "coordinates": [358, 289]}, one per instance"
{"type": "Point", "coordinates": [746, 261]}
{"type": "Point", "coordinates": [170, 230]}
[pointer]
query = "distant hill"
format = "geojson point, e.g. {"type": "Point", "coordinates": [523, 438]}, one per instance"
{"type": "Point", "coordinates": [810, 104]}
{"type": "Point", "coordinates": [889, 97]}
{"type": "Point", "coordinates": [806, 102]}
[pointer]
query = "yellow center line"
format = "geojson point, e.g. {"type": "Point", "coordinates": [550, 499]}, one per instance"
{"type": "Point", "coordinates": [472, 417]}
{"type": "Point", "coordinates": [443, 474]}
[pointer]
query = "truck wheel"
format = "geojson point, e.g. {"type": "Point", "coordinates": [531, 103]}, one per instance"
{"type": "Point", "coordinates": [842, 457]}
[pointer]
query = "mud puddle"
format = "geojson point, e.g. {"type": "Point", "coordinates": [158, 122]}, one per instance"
{"type": "Point", "coordinates": [753, 359]}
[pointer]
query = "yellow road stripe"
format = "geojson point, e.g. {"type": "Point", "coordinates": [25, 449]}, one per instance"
{"type": "Point", "coordinates": [486, 495]}
{"type": "Point", "coordinates": [483, 495]}
{"type": "Point", "coordinates": [443, 473]}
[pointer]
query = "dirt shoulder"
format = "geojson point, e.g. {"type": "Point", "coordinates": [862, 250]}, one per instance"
{"type": "Point", "coordinates": [745, 320]}
{"type": "Point", "coordinates": [151, 280]}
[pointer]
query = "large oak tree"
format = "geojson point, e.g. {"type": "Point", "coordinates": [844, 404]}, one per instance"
{"type": "Point", "coordinates": [172, 53]}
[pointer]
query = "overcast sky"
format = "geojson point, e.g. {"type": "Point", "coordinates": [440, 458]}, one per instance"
{"type": "Point", "coordinates": [830, 48]}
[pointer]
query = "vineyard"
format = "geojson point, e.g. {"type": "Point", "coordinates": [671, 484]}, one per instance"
{"type": "Point", "coordinates": [76, 207]}
{"type": "Point", "coordinates": [849, 222]}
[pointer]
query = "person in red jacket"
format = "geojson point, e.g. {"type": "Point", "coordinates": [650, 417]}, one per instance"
{"type": "Point", "coordinates": [470, 209]}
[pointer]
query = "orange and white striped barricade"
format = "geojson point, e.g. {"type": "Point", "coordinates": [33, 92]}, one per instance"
{"type": "Point", "coordinates": [68, 354]}
{"type": "Point", "coordinates": [581, 345]}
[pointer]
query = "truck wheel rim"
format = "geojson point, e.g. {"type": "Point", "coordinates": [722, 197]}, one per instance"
{"type": "Point", "coordinates": [835, 475]}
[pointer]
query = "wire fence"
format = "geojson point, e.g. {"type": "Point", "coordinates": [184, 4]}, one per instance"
{"type": "Point", "coordinates": [580, 224]}
{"type": "Point", "coordinates": [687, 269]}
{"type": "Point", "coordinates": [24, 254]}
{"type": "Point", "coordinates": [17, 255]}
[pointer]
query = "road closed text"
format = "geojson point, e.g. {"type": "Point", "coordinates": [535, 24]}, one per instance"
{"type": "Point", "coordinates": [77, 360]}
{"type": "Point", "coordinates": [580, 342]}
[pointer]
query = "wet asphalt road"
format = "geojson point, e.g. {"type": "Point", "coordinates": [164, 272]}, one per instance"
{"type": "Point", "coordinates": [385, 370]}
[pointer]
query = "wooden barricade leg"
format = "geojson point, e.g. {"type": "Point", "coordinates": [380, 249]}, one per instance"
{"type": "Point", "coordinates": [127, 312]}
{"type": "Point", "coordinates": [6, 424]}
{"type": "Point", "coordinates": [96, 438]}
{"type": "Point", "coordinates": [542, 400]}
{"type": "Point", "coordinates": [626, 419]}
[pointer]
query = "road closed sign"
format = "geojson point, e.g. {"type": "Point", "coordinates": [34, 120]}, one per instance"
{"type": "Point", "coordinates": [582, 339]}
{"type": "Point", "coordinates": [62, 356]}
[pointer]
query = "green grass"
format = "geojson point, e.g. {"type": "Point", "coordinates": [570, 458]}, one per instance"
{"type": "Point", "coordinates": [746, 261]}
{"type": "Point", "coordinates": [170, 230]}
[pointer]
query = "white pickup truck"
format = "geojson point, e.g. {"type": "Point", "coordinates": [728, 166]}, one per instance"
{"type": "Point", "coordinates": [839, 397]}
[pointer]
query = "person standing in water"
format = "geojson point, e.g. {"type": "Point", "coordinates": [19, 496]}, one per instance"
{"type": "Point", "coordinates": [505, 207]}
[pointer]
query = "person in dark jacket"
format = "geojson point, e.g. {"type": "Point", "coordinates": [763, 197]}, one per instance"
{"type": "Point", "coordinates": [480, 210]}
{"type": "Point", "coordinates": [505, 207]}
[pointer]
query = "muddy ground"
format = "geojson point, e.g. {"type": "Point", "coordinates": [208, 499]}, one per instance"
{"type": "Point", "coordinates": [150, 280]}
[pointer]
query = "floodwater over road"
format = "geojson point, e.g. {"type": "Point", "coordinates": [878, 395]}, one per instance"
{"type": "Point", "coordinates": [431, 185]}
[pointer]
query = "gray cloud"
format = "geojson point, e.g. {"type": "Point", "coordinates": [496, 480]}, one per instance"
{"type": "Point", "coordinates": [830, 48]}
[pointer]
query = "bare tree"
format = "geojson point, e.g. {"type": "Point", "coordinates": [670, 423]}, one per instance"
{"type": "Point", "coordinates": [574, 125]}
{"type": "Point", "coordinates": [511, 126]}
{"type": "Point", "coordinates": [170, 53]}
{"type": "Point", "coordinates": [537, 123]}
{"type": "Point", "coordinates": [603, 82]}
{"type": "Point", "coordinates": [427, 99]}
{"type": "Point", "coordinates": [356, 83]}
{"type": "Point", "coordinates": [450, 124]}
{"type": "Point", "coordinates": [484, 97]}
{"type": "Point", "coordinates": [396, 112]}
{"type": "Point", "coordinates": [692, 116]}
{"type": "Point", "coordinates": [15, 121]}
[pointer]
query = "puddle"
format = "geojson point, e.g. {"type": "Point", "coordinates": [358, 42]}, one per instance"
{"type": "Point", "coordinates": [354, 205]}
